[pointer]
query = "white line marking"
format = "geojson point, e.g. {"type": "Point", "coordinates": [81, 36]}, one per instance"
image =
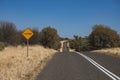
{"type": "Point", "coordinates": [103, 69]}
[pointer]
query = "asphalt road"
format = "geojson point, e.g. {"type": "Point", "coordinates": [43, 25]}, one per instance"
{"type": "Point", "coordinates": [72, 66]}
{"type": "Point", "coordinates": [65, 47]}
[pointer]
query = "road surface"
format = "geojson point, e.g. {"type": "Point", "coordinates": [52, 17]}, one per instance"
{"type": "Point", "coordinates": [75, 66]}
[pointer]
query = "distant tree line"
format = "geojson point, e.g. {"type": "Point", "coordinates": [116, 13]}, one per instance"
{"type": "Point", "coordinates": [101, 37]}
{"type": "Point", "coordinates": [9, 35]}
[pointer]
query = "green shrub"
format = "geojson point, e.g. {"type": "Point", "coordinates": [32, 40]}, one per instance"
{"type": "Point", "coordinates": [2, 46]}
{"type": "Point", "coordinates": [80, 44]}
{"type": "Point", "coordinates": [103, 37]}
{"type": "Point", "coordinates": [50, 38]}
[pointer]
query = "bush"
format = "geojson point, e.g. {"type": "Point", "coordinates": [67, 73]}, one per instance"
{"type": "Point", "coordinates": [103, 37]}
{"type": "Point", "coordinates": [49, 38]}
{"type": "Point", "coordinates": [35, 39]}
{"type": "Point", "coordinates": [2, 46]}
{"type": "Point", "coordinates": [80, 44]}
{"type": "Point", "coordinates": [8, 33]}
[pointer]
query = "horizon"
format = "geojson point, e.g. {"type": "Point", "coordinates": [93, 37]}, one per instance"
{"type": "Point", "coordinates": [69, 17]}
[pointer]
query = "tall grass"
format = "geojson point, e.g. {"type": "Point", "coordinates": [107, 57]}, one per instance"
{"type": "Point", "coordinates": [15, 65]}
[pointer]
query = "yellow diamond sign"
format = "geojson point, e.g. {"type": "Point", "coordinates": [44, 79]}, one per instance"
{"type": "Point", "coordinates": [27, 33]}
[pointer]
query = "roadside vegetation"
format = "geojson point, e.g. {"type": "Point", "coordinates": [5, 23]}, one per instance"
{"type": "Point", "coordinates": [14, 63]}
{"type": "Point", "coordinates": [50, 38]}
{"type": "Point", "coordinates": [9, 35]}
{"type": "Point", "coordinates": [2, 46]}
{"type": "Point", "coordinates": [101, 37]}
{"type": "Point", "coordinates": [79, 43]}
{"type": "Point", "coordinates": [109, 51]}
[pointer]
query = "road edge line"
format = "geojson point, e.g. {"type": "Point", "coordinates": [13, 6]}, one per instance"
{"type": "Point", "coordinates": [104, 70]}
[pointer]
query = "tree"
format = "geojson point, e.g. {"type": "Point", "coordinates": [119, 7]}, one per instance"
{"type": "Point", "coordinates": [8, 33]}
{"type": "Point", "coordinates": [35, 39]}
{"type": "Point", "coordinates": [79, 43]}
{"type": "Point", "coordinates": [49, 38]}
{"type": "Point", "coordinates": [103, 37]}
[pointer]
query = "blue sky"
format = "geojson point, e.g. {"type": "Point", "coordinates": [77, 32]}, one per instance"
{"type": "Point", "coordinates": [69, 17]}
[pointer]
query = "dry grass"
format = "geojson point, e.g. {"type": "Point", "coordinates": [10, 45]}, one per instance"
{"type": "Point", "coordinates": [109, 51]}
{"type": "Point", "coordinates": [15, 65]}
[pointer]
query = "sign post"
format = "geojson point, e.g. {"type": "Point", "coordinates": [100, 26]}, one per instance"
{"type": "Point", "coordinates": [27, 33]}
{"type": "Point", "coordinates": [27, 47]}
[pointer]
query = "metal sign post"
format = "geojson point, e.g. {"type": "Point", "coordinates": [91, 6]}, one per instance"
{"type": "Point", "coordinates": [27, 47]}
